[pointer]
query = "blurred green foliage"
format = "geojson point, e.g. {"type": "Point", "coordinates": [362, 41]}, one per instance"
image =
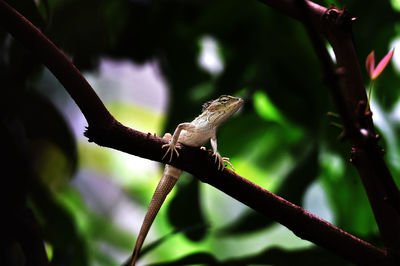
{"type": "Point", "coordinates": [281, 139]}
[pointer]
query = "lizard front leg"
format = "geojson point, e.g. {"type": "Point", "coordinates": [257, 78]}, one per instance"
{"type": "Point", "coordinates": [173, 145]}
{"type": "Point", "coordinates": [218, 159]}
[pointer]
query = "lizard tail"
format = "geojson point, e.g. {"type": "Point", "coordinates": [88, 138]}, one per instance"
{"type": "Point", "coordinates": [167, 182]}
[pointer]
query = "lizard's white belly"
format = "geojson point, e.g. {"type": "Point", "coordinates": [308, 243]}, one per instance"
{"type": "Point", "coordinates": [195, 138]}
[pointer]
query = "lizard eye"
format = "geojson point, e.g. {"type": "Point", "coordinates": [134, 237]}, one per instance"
{"type": "Point", "coordinates": [224, 100]}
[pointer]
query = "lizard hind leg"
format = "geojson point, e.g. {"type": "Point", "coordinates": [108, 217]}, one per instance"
{"type": "Point", "coordinates": [165, 185]}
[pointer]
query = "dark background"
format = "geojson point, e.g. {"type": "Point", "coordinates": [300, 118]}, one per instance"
{"type": "Point", "coordinates": [88, 202]}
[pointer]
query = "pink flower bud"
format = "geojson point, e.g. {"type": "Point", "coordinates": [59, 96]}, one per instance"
{"type": "Point", "coordinates": [373, 71]}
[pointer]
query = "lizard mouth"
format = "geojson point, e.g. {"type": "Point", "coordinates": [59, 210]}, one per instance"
{"type": "Point", "coordinates": [239, 104]}
{"type": "Point", "coordinates": [236, 106]}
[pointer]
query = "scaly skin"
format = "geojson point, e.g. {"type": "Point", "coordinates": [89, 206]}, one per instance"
{"type": "Point", "coordinates": [195, 134]}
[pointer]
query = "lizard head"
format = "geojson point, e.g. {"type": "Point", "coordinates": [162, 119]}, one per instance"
{"type": "Point", "coordinates": [222, 108]}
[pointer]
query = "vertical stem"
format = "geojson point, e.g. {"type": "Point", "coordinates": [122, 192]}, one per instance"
{"type": "Point", "coordinates": [379, 185]}
{"type": "Point", "coordinates": [371, 86]}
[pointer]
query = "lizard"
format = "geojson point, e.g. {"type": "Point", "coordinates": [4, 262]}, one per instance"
{"type": "Point", "coordinates": [195, 134]}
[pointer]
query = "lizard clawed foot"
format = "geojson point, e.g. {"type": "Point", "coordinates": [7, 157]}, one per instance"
{"type": "Point", "coordinates": [172, 148]}
{"type": "Point", "coordinates": [221, 160]}
{"type": "Point", "coordinates": [226, 160]}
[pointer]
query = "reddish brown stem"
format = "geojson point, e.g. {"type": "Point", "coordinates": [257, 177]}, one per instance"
{"type": "Point", "coordinates": [201, 164]}
{"type": "Point", "coordinates": [336, 24]}
{"type": "Point", "coordinates": [56, 61]}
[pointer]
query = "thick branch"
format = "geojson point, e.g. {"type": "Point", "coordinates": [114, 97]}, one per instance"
{"type": "Point", "coordinates": [106, 131]}
{"type": "Point", "coordinates": [380, 187]}
{"type": "Point", "coordinates": [201, 164]}
{"type": "Point", "coordinates": [55, 60]}
{"type": "Point", "coordinates": [291, 9]}
{"type": "Point", "coordinates": [367, 156]}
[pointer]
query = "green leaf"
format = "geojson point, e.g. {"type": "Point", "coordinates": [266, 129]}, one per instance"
{"type": "Point", "coordinates": [53, 143]}
{"type": "Point", "coordinates": [184, 210]}
{"type": "Point", "coordinates": [265, 108]}
{"type": "Point", "coordinates": [274, 256]}
{"type": "Point", "coordinates": [292, 189]}
{"type": "Point", "coordinates": [59, 228]}
{"type": "Point", "coordinates": [343, 186]}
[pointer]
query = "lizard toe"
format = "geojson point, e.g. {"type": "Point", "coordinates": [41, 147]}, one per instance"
{"type": "Point", "coordinates": [166, 153]}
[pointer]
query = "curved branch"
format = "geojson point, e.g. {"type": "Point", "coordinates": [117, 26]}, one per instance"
{"type": "Point", "coordinates": [201, 164]}
{"type": "Point", "coordinates": [351, 102]}
{"type": "Point", "coordinates": [367, 155]}
{"type": "Point", "coordinates": [106, 131]}
{"type": "Point", "coordinates": [54, 59]}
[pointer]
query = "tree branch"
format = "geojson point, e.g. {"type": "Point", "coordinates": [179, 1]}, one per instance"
{"type": "Point", "coordinates": [69, 76]}
{"type": "Point", "coordinates": [201, 164]}
{"type": "Point", "coordinates": [291, 9]}
{"type": "Point", "coordinates": [351, 104]}
{"type": "Point", "coordinates": [367, 155]}
{"type": "Point", "coordinates": [106, 131]}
